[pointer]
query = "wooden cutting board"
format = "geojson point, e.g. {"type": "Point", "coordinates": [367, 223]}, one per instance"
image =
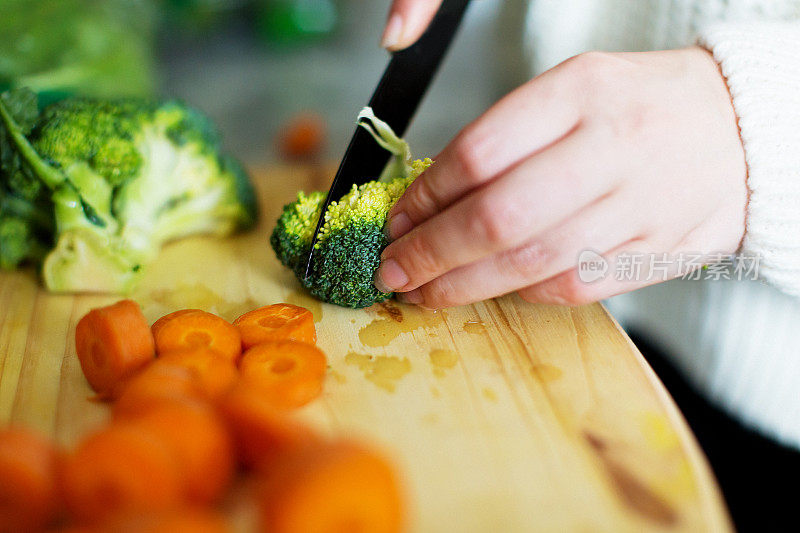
{"type": "Point", "coordinates": [501, 416]}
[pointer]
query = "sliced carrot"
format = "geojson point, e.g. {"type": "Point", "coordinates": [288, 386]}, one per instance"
{"type": "Point", "coordinates": [276, 322]}
{"type": "Point", "coordinates": [198, 329]}
{"type": "Point", "coordinates": [302, 137]}
{"type": "Point", "coordinates": [166, 318]}
{"type": "Point", "coordinates": [334, 487]}
{"type": "Point", "coordinates": [200, 441]}
{"type": "Point", "coordinates": [78, 529]}
{"type": "Point", "coordinates": [260, 430]}
{"type": "Point", "coordinates": [155, 385]}
{"type": "Point", "coordinates": [191, 520]}
{"type": "Point", "coordinates": [28, 495]}
{"type": "Point", "coordinates": [289, 373]}
{"type": "Point", "coordinates": [214, 374]}
{"type": "Point", "coordinates": [117, 470]}
{"type": "Point", "coordinates": [112, 343]}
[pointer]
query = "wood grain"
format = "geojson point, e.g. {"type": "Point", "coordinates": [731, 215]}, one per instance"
{"type": "Point", "coordinates": [502, 416]}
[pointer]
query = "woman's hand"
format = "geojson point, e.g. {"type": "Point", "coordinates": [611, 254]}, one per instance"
{"type": "Point", "coordinates": [618, 153]}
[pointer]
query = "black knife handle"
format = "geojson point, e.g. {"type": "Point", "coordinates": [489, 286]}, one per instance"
{"type": "Point", "coordinates": [394, 101]}
{"type": "Point", "coordinates": [405, 81]}
{"type": "Point", "coordinates": [410, 71]}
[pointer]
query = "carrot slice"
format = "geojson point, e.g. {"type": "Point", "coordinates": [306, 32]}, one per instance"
{"type": "Point", "coordinates": [166, 318]}
{"type": "Point", "coordinates": [200, 441]}
{"type": "Point", "coordinates": [302, 137]}
{"type": "Point", "coordinates": [260, 431]}
{"type": "Point", "coordinates": [289, 373]}
{"type": "Point", "coordinates": [190, 520]}
{"type": "Point", "coordinates": [276, 322]}
{"type": "Point", "coordinates": [196, 329]}
{"type": "Point", "coordinates": [112, 343]}
{"type": "Point", "coordinates": [334, 487]}
{"type": "Point", "coordinates": [120, 469]}
{"type": "Point", "coordinates": [214, 374]}
{"type": "Point", "coordinates": [157, 384]}
{"type": "Point", "coordinates": [28, 496]}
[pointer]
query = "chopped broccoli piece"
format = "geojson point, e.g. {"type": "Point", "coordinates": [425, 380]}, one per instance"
{"type": "Point", "coordinates": [95, 187]}
{"type": "Point", "coordinates": [351, 239]}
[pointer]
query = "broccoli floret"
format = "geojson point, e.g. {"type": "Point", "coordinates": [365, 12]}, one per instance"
{"type": "Point", "coordinates": [351, 240]}
{"type": "Point", "coordinates": [103, 184]}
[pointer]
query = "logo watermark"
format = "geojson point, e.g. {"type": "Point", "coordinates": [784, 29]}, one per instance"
{"type": "Point", "coordinates": [591, 266]}
{"type": "Point", "coordinates": [654, 267]}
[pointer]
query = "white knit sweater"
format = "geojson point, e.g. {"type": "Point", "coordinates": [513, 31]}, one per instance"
{"type": "Point", "coordinates": [738, 341]}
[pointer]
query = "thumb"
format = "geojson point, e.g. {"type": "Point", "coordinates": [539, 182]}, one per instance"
{"type": "Point", "coordinates": [407, 21]}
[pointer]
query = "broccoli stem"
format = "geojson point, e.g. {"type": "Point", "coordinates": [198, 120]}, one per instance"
{"type": "Point", "coordinates": [49, 175]}
{"type": "Point", "coordinates": [66, 76]}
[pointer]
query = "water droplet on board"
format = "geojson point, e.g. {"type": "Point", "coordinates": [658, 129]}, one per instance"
{"type": "Point", "coordinates": [338, 376]}
{"type": "Point", "coordinates": [383, 370]}
{"type": "Point", "coordinates": [475, 326]}
{"type": "Point", "coordinates": [396, 319]}
{"type": "Point", "coordinates": [545, 373]}
{"type": "Point", "coordinates": [489, 394]}
{"type": "Point", "coordinates": [442, 360]}
{"type": "Point", "coordinates": [430, 418]}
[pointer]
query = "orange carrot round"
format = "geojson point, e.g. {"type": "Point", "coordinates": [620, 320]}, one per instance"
{"type": "Point", "coordinates": [260, 431]}
{"type": "Point", "coordinates": [214, 374]}
{"type": "Point", "coordinates": [157, 384]}
{"type": "Point", "coordinates": [276, 322]}
{"type": "Point", "coordinates": [166, 318]}
{"type": "Point", "coordinates": [289, 373]}
{"type": "Point", "coordinates": [189, 520]}
{"type": "Point", "coordinates": [112, 343]}
{"type": "Point", "coordinates": [334, 487]}
{"type": "Point", "coordinates": [198, 329]}
{"type": "Point", "coordinates": [302, 137]}
{"type": "Point", "coordinates": [117, 470]}
{"type": "Point", "coordinates": [200, 441]}
{"type": "Point", "coordinates": [28, 495]}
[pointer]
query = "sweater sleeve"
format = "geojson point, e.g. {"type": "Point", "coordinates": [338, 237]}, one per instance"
{"type": "Point", "coordinates": [761, 63]}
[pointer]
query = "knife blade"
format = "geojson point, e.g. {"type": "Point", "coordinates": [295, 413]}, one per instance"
{"type": "Point", "coordinates": [395, 100]}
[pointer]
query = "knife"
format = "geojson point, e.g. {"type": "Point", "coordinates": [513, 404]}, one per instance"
{"type": "Point", "coordinates": [394, 101]}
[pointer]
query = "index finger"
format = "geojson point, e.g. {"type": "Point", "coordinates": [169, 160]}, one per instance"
{"type": "Point", "coordinates": [523, 123]}
{"type": "Point", "coordinates": [407, 22]}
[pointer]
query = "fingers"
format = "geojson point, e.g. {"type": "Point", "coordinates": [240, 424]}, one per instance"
{"type": "Point", "coordinates": [501, 215]}
{"type": "Point", "coordinates": [628, 267]}
{"type": "Point", "coordinates": [407, 21]}
{"type": "Point", "coordinates": [638, 262]}
{"type": "Point", "coordinates": [536, 260]}
{"type": "Point", "coordinates": [523, 123]}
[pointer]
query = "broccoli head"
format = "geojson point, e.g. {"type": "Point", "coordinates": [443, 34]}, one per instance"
{"type": "Point", "coordinates": [100, 185]}
{"type": "Point", "coordinates": [351, 239]}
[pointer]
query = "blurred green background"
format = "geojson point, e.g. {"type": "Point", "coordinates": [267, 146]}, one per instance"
{"type": "Point", "coordinates": [251, 65]}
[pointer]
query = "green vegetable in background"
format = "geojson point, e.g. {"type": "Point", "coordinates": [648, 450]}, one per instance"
{"type": "Point", "coordinates": [87, 47]}
{"type": "Point", "coordinates": [352, 239]}
{"type": "Point", "coordinates": [94, 187]}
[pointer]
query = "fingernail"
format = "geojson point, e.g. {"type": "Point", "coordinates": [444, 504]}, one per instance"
{"type": "Point", "coordinates": [410, 297]}
{"type": "Point", "coordinates": [390, 276]}
{"type": "Point", "coordinates": [393, 32]}
{"type": "Point", "coordinates": [398, 225]}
